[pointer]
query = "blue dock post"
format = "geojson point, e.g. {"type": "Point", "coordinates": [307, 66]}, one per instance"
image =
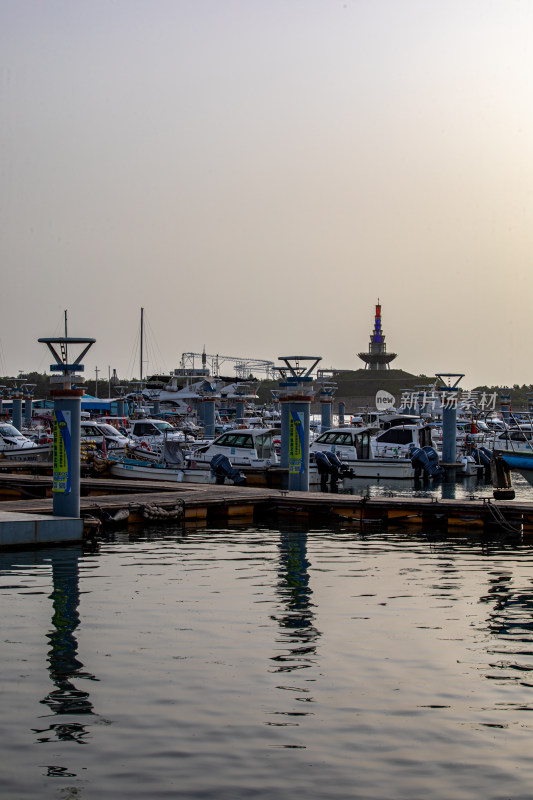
{"type": "Point", "coordinates": [243, 391]}
{"type": "Point", "coordinates": [239, 412]}
{"type": "Point", "coordinates": [201, 410]}
{"type": "Point", "coordinates": [209, 417]}
{"type": "Point", "coordinates": [208, 397]}
{"type": "Point", "coordinates": [284, 410]}
{"type": "Point", "coordinates": [17, 408]}
{"type": "Point", "coordinates": [275, 400]}
{"type": "Point", "coordinates": [28, 403]}
{"type": "Point", "coordinates": [326, 419]}
{"type": "Point", "coordinates": [298, 392]}
{"type": "Point", "coordinates": [299, 428]}
{"type": "Point", "coordinates": [326, 406]}
{"type": "Point", "coordinates": [122, 406]}
{"type": "Point", "coordinates": [505, 403]}
{"type": "Point", "coordinates": [66, 486]}
{"type": "Point", "coordinates": [8, 395]}
{"type": "Point", "coordinates": [407, 402]}
{"type": "Point", "coordinates": [342, 411]}
{"type": "Point", "coordinates": [449, 394]}
{"type": "Point", "coordinates": [449, 433]}
{"type": "Point", "coordinates": [66, 425]}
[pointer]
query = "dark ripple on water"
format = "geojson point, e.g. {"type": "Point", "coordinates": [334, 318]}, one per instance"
{"type": "Point", "coordinates": [269, 662]}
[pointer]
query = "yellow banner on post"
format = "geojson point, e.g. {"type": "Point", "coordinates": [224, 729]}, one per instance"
{"type": "Point", "coordinates": [296, 450]}
{"type": "Point", "coordinates": [62, 457]}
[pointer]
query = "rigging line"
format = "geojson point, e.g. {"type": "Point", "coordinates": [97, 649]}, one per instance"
{"type": "Point", "coordinates": [41, 365]}
{"type": "Point", "coordinates": [134, 356]}
{"type": "Point", "coordinates": [3, 365]}
{"type": "Point", "coordinates": [152, 336]}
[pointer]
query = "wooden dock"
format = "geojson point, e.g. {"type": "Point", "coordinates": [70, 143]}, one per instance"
{"type": "Point", "coordinates": [197, 504]}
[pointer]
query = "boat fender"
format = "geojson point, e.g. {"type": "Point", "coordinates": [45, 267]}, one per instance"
{"type": "Point", "coordinates": [146, 445]}
{"type": "Point", "coordinates": [189, 409]}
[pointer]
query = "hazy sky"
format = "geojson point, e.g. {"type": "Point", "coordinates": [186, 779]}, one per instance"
{"type": "Point", "coordinates": [256, 173]}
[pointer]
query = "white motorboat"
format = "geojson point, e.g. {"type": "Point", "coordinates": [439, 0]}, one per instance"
{"type": "Point", "coordinates": [146, 470]}
{"type": "Point", "coordinates": [17, 447]}
{"type": "Point", "coordinates": [513, 441]}
{"type": "Point", "coordinates": [244, 447]}
{"type": "Point", "coordinates": [239, 456]}
{"type": "Point", "coordinates": [102, 432]}
{"type": "Point", "coordinates": [152, 433]}
{"type": "Point", "coordinates": [371, 453]}
{"type": "Point", "coordinates": [515, 446]}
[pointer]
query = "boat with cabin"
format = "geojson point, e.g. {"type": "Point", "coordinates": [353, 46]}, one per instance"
{"type": "Point", "coordinates": [373, 452]}
{"type": "Point", "coordinates": [17, 447]}
{"type": "Point", "coordinates": [247, 453]}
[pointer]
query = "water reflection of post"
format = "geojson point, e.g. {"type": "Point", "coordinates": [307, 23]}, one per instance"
{"type": "Point", "coordinates": [64, 664]}
{"type": "Point", "coordinates": [297, 620]}
{"type": "Point", "coordinates": [448, 489]}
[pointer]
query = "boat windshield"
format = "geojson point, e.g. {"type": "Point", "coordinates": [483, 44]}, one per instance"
{"type": "Point", "coordinates": [9, 430]}
{"type": "Point", "coordinates": [163, 426]}
{"type": "Point", "coordinates": [263, 445]}
{"type": "Point", "coordinates": [90, 430]}
{"type": "Point", "coordinates": [109, 430]}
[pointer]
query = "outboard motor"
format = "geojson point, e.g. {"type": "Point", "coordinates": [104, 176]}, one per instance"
{"type": "Point", "coordinates": [329, 465]}
{"type": "Point", "coordinates": [433, 457]}
{"type": "Point", "coordinates": [483, 456]}
{"type": "Point", "coordinates": [222, 467]}
{"type": "Point", "coordinates": [326, 468]}
{"type": "Point", "coordinates": [422, 461]}
{"type": "Point", "coordinates": [344, 471]}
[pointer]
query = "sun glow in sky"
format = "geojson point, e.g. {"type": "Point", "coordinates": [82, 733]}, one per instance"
{"type": "Point", "coordinates": [256, 174]}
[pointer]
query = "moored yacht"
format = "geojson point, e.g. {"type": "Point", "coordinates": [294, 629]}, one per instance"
{"type": "Point", "coordinates": [14, 445]}
{"type": "Point", "coordinates": [241, 455]}
{"type": "Point", "coordinates": [370, 452]}
{"type": "Point", "coordinates": [244, 447]}
{"type": "Point", "coordinates": [154, 432]}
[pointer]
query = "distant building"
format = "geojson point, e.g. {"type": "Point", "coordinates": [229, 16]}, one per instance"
{"type": "Point", "coordinates": [377, 356]}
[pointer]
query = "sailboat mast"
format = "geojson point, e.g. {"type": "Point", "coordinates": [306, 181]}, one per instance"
{"type": "Point", "coordinates": [142, 342]}
{"type": "Point", "coordinates": [64, 349]}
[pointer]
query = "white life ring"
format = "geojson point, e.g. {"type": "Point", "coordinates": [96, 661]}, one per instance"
{"type": "Point", "coordinates": [189, 409]}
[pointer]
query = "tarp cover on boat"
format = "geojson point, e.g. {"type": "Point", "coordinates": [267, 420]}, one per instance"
{"type": "Point", "coordinates": [172, 453]}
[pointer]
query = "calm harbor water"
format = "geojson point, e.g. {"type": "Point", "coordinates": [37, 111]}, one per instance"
{"type": "Point", "coordinates": [463, 487]}
{"type": "Point", "coordinates": [273, 662]}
